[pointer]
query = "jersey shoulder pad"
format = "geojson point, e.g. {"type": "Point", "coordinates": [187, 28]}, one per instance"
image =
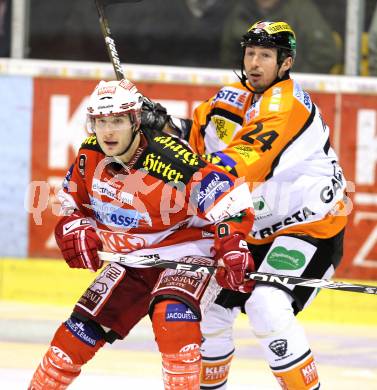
{"type": "Point", "coordinates": [169, 158]}
{"type": "Point", "coordinates": [91, 143]}
{"type": "Point", "coordinates": [172, 148]}
{"type": "Point", "coordinates": [277, 99]}
{"type": "Point", "coordinates": [302, 96]}
{"type": "Point", "coordinates": [234, 95]}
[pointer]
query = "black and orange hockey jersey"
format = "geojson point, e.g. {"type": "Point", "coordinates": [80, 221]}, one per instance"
{"type": "Point", "coordinates": [163, 201]}
{"type": "Point", "coordinates": [281, 145]}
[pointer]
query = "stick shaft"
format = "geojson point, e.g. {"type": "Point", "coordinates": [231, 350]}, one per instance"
{"type": "Point", "coordinates": [286, 280]}
{"type": "Point", "coordinates": [109, 40]}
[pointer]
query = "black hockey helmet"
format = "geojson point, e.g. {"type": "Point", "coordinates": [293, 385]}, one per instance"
{"type": "Point", "coordinates": [277, 35]}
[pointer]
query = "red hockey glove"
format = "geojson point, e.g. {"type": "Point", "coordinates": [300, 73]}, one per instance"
{"type": "Point", "coordinates": [78, 242]}
{"type": "Point", "coordinates": [237, 261]}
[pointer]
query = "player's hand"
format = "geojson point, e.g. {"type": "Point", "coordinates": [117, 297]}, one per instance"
{"type": "Point", "coordinates": [237, 260]}
{"type": "Point", "coordinates": [153, 115]}
{"type": "Point", "coordinates": [78, 242]}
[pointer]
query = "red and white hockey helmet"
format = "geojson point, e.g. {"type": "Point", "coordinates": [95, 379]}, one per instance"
{"type": "Point", "coordinates": [115, 98]}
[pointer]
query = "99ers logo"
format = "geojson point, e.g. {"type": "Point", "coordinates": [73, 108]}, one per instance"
{"type": "Point", "coordinates": [121, 242]}
{"type": "Point", "coordinates": [192, 352]}
{"type": "Point", "coordinates": [60, 354]}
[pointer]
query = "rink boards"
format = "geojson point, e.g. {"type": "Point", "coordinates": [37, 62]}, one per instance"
{"type": "Point", "coordinates": [52, 282]}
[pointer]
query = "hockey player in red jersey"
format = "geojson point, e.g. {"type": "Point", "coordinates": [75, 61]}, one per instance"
{"type": "Point", "coordinates": [148, 194]}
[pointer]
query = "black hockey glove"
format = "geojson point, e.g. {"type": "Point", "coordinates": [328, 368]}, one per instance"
{"type": "Point", "coordinates": [153, 115]}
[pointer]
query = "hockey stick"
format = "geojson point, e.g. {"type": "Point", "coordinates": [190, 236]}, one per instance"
{"type": "Point", "coordinates": [177, 129]}
{"type": "Point", "coordinates": [155, 261]}
{"type": "Point", "coordinates": [109, 40]}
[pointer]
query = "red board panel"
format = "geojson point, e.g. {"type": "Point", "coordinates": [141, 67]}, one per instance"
{"type": "Point", "coordinates": [343, 113]}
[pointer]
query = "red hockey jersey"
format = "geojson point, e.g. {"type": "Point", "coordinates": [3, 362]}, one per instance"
{"type": "Point", "coordinates": [163, 201]}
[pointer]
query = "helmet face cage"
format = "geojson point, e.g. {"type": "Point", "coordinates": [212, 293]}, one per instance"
{"type": "Point", "coordinates": [115, 98]}
{"type": "Point", "coordinates": [277, 35]}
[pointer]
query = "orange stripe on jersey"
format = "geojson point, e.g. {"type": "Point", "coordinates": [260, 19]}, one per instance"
{"type": "Point", "coordinates": [196, 139]}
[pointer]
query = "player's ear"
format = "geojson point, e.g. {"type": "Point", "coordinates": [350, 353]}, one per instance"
{"type": "Point", "coordinates": [287, 64]}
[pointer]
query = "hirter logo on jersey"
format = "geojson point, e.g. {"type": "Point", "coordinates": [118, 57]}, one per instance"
{"type": "Point", "coordinates": [181, 153]}
{"type": "Point", "coordinates": [163, 169]}
{"type": "Point", "coordinates": [169, 160]}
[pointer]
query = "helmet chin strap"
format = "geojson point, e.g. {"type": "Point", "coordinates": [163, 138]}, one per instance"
{"type": "Point", "coordinates": [244, 79]}
{"type": "Point", "coordinates": [135, 131]}
{"type": "Point", "coordinates": [129, 145]}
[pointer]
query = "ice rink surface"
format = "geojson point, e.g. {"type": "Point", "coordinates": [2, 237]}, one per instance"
{"type": "Point", "coordinates": [346, 354]}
